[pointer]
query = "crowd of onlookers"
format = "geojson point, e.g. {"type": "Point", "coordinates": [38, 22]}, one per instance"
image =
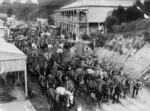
{"type": "Point", "coordinates": [39, 44]}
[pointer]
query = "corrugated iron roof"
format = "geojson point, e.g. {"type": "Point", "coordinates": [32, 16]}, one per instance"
{"type": "Point", "coordinates": [114, 3]}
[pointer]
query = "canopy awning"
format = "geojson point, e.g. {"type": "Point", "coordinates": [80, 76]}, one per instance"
{"type": "Point", "coordinates": [10, 49]}
{"type": "Point", "coordinates": [12, 59]}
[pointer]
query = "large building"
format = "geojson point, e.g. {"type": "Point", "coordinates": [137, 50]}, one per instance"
{"type": "Point", "coordinates": [86, 15]}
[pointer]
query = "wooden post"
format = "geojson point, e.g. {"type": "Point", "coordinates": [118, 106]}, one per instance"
{"type": "Point", "coordinates": [143, 72]}
{"type": "Point", "coordinates": [98, 25]}
{"type": "Point", "coordinates": [112, 50]}
{"type": "Point", "coordinates": [129, 52]}
{"type": "Point", "coordinates": [73, 16]}
{"type": "Point", "coordinates": [88, 24]}
{"type": "Point", "coordinates": [119, 54]}
{"type": "Point", "coordinates": [94, 44]}
{"type": "Point", "coordinates": [26, 80]}
{"type": "Point", "coordinates": [87, 28]}
{"type": "Point", "coordinates": [69, 27]}
{"type": "Point", "coordinates": [103, 49]}
{"type": "Point", "coordinates": [77, 15]}
{"type": "Point", "coordinates": [18, 78]}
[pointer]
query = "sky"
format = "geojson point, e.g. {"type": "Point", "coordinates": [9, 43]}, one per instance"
{"type": "Point", "coordinates": [23, 1]}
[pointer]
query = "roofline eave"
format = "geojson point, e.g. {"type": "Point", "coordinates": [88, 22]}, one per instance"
{"type": "Point", "coordinates": [72, 8]}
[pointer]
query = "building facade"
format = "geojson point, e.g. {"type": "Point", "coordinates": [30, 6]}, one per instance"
{"type": "Point", "coordinates": [86, 15]}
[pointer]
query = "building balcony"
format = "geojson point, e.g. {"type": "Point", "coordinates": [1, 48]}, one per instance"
{"type": "Point", "coordinates": [70, 19]}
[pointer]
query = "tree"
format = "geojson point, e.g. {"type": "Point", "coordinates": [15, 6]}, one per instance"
{"type": "Point", "coordinates": [50, 20]}
{"type": "Point", "coordinates": [110, 22]}
{"type": "Point", "coordinates": [120, 14]}
{"type": "Point", "coordinates": [29, 11]}
{"type": "Point", "coordinates": [132, 13]}
{"type": "Point", "coordinates": [147, 7]}
{"type": "Point", "coordinates": [9, 12]}
{"type": "Point", "coordinates": [25, 11]}
{"type": "Point", "coordinates": [6, 2]}
{"type": "Point", "coordinates": [84, 36]}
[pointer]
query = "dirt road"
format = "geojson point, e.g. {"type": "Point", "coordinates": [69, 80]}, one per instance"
{"type": "Point", "coordinates": [140, 103]}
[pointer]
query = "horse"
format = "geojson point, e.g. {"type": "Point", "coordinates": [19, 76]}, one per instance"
{"type": "Point", "coordinates": [76, 80]}
{"type": "Point", "coordinates": [51, 97]}
{"type": "Point", "coordinates": [57, 101]}
{"type": "Point", "coordinates": [97, 74]}
{"type": "Point", "coordinates": [79, 77]}
{"type": "Point", "coordinates": [91, 87]}
{"type": "Point", "coordinates": [117, 88]}
{"type": "Point", "coordinates": [52, 81]}
{"type": "Point", "coordinates": [42, 80]}
{"type": "Point", "coordinates": [51, 61]}
{"type": "Point", "coordinates": [69, 85]}
{"type": "Point", "coordinates": [61, 77]}
{"type": "Point", "coordinates": [125, 85]}
{"type": "Point", "coordinates": [67, 97]}
{"type": "Point", "coordinates": [70, 99]}
{"type": "Point", "coordinates": [94, 74]}
{"type": "Point", "coordinates": [79, 71]}
{"type": "Point", "coordinates": [100, 88]}
{"type": "Point", "coordinates": [76, 75]}
{"type": "Point", "coordinates": [68, 67]}
{"type": "Point", "coordinates": [105, 91]}
{"type": "Point", "coordinates": [116, 92]}
{"type": "Point", "coordinates": [76, 62]}
{"type": "Point", "coordinates": [110, 83]}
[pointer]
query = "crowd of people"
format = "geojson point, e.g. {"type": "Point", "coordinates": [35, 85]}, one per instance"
{"type": "Point", "coordinates": [62, 73]}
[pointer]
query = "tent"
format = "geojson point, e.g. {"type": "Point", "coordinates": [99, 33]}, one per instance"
{"type": "Point", "coordinates": [12, 59]}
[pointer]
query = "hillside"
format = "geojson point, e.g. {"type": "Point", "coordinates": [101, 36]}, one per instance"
{"type": "Point", "coordinates": [133, 51]}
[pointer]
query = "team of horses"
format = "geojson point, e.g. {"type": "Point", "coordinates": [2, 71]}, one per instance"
{"type": "Point", "coordinates": [60, 83]}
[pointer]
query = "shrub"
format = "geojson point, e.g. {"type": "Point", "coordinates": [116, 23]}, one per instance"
{"type": "Point", "coordinates": [110, 22]}
{"type": "Point", "coordinates": [147, 36]}
{"type": "Point", "coordinates": [101, 40]}
{"type": "Point", "coordinates": [85, 36]}
{"type": "Point", "coordinates": [141, 24]}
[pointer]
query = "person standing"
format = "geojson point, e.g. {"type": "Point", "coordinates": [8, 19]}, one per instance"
{"type": "Point", "coordinates": [137, 85]}
{"type": "Point", "coordinates": [59, 54]}
{"type": "Point", "coordinates": [74, 36]}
